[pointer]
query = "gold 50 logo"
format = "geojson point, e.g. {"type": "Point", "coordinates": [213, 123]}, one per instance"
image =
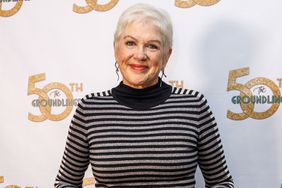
{"type": "Point", "coordinates": [13, 10]}
{"type": "Point", "coordinates": [176, 83]}
{"type": "Point", "coordinates": [247, 99]}
{"type": "Point", "coordinates": [94, 5]}
{"type": "Point", "coordinates": [52, 95]}
{"type": "Point", "coordinates": [191, 3]}
{"type": "Point", "coordinates": [12, 186]}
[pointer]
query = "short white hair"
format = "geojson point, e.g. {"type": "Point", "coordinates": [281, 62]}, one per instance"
{"type": "Point", "coordinates": [141, 12]}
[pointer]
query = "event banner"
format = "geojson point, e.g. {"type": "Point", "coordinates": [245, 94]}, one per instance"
{"type": "Point", "coordinates": [53, 53]}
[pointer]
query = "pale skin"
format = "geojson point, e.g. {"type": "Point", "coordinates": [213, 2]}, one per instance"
{"type": "Point", "coordinates": [140, 54]}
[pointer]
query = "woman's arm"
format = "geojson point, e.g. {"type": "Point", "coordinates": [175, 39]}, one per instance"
{"type": "Point", "coordinates": [211, 155]}
{"type": "Point", "coordinates": [76, 155]}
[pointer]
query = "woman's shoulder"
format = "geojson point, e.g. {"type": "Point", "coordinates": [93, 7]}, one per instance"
{"type": "Point", "coordinates": [188, 96]}
{"type": "Point", "coordinates": [107, 94]}
{"type": "Point", "coordinates": [184, 92]}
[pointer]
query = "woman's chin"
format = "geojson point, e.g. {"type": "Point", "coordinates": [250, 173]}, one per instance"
{"type": "Point", "coordinates": [139, 82]}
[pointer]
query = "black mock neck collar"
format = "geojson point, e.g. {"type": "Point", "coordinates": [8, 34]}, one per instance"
{"type": "Point", "coordinates": [142, 98]}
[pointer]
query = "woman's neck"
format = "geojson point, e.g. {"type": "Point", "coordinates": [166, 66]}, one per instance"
{"type": "Point", "coordinates": [142, 98]}
{"type": "Point", "coordinates": [140, 85]}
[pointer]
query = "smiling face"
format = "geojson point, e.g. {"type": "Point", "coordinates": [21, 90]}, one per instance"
{"type": "Point", "coordinates": [140, 54]}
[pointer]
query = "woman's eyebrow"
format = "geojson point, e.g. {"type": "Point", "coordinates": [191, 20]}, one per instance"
{"type": "Point", "coordinates": [153, 40]}
{"type": "Point", "coordinates": [129, 36]}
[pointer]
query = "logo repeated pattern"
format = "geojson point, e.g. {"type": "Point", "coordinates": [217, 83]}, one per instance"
{"type": "Point", "coordinates": [247, 100]}
{"type": "Point", "coordinates": [12, 11]}
{"type": "Point", "coordinates": [94, 5]}
{"type": "Point", "coordinates": [45, 103]}
{"type": "Point", "coordinates": [191, 3]}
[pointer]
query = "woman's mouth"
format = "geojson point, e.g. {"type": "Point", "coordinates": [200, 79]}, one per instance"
{"type": "Point", "coordinates": [137, 67]}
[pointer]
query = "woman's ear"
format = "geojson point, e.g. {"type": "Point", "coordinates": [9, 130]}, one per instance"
{"type": "Point", "coordinates": [115, 53]}
{"type": "Point", "coordinates": [166, 58]}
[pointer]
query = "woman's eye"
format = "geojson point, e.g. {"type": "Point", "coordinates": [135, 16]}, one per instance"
{"type": "Point", "coordinates": [130, 43]}
{"type": "Point", "coordinates": [153, 46]}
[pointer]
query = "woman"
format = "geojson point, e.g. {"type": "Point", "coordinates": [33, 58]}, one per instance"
{"type": "Point", "coordinates": [143, 133]}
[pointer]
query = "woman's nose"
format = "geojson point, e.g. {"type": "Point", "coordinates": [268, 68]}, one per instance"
{"type": "Point", "coordinates": [140, 54]}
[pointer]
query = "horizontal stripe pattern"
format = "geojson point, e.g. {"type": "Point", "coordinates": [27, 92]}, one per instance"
{"type": "Point", "coordinates": [157, 147]}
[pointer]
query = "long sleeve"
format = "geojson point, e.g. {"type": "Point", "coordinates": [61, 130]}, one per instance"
{"type": "Point", "coordinates": [211, 155]}
{"type": "Point", "coordinates": [76, 155]}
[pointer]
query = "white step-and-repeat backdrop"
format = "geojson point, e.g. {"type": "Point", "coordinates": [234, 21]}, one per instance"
{"type": "Point", "coordinates": [54, 52]}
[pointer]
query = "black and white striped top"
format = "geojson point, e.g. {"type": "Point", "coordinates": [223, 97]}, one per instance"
{"type": "Point", "coordinates": [158, 146]}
